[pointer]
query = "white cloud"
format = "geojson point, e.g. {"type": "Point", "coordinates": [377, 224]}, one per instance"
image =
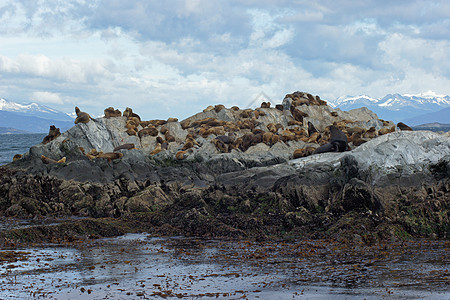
{"type": "Point", "coordinates": [46, 97]}
{"type": "Point", "coordinates": [174, 60]}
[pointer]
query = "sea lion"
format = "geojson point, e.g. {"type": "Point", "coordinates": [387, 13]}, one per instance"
{"type": "Point", "coordinates": [47, 160]}
{"type": "Point", "coordinates": [334, 114]}
{"type": "Point", "coordinates": [169, 138]}
{"type": "Point", "coordinates": [338, 141]}
{"type": "Point", "coordinates": [53, 133]}
{"type": "Point", "coordinates": [209, 108]}
{"type": "Point", "coordinates": [131, 131]}
{"type": "Point", "coordinates": [171, 120]}
{"type": "Point", "coordinates": [370, 134]}
{"type": "Point", "coordinates": [279, 107]}
{"type": "Point", "coordinates": [220, 145]}
{"type": "Point", "coordinates": [82, 117]}
{"type": "Point", "coordinates": [297, 114]}
{"type": "Point", "coordinates": [163, 130]}
{"type": "Point", "coordinates": [265, 105]}
{"type": "Point", "coordinates": [403, 126]}
{"type": "Point", "coordinates": [17, 157]}
{"type": "Point", "coordinates": [357, 140]}
{"type": "Point", "coordinates": [304, 152]}
{"type": "Point", "coordinates": [235, 108]}
{"type": "Point", "coordinates": [218, 107]}
{"type": "Point", "coordinates": [110, 112]}
{"type": "Point", "coordinates": [129, 113]}
{"type": "Point", "coordinates": [311, 128]}
{"type": "Point", "coordinates": [152, 131]}
{"type": "Point", "coordinates": [180, 155]}
{"type": "Point", "coordinates": [110, 155]}
{"type": "Point", "coordinates": [124, 146]}
{"type": "Point", "coordinates": [157, 149]}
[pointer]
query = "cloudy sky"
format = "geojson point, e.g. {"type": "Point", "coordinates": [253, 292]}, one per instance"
{"type": "Point", "coordinates": [173, 58]}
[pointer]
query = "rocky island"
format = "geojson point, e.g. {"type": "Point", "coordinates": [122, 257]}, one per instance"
{"type": "Point", "coordinates": [271, 172]}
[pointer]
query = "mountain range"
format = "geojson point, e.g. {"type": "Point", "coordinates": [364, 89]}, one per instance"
{"type": "Point", "coordinates": [411, 109]}
{"type": "Point", "coordinates": [32, 117]}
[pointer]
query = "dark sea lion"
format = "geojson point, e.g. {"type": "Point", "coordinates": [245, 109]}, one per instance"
{"type": "Point", "coordinates": [265, 105]}
{"type": "Point", "coordinates": [338, 142]}
{"type": "Point", "coordinates": [338, 138]}
{"type": "Point", "coordinates": [82, 117]}
{"type": "Point", "coordinates": [124, 146]}
{"type": "Point", "coordinates": [311, 128]}
{"type": "Point", "coordinates": [279, 107]}
{"type": "Point", "coordinates": [326, 148]}
{"type": "Point", "coordinates": [53, 133]}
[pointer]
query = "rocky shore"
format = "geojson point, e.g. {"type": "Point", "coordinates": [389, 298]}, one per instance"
{"type": "Point", "coordinates": [230, 172]}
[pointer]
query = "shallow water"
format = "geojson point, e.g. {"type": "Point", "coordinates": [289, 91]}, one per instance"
{"type": "Point", "coordinates": [139, 266]}
{"type": "Point", "coordinates": [12, 144]}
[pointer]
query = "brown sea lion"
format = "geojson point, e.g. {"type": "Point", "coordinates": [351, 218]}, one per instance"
{"type": "Point", "coordinates": [152, 131]}
{"type": "Point", "coordinates": [47, 160]}
{"type": "Point", "coordinates": [279, 107]}
{"type": "Point", "coordinates": [110, 112]}
{"type": "Point", "coordinates": [171, 120]}
{"type": "Point", "coordinates": [110, 155]}
{"type": "Point", "coordinates": [303, 152]}
{"type": "Point", "coordinates": [129, 113]}
{"type": "Point", "coordinates": [124, 146]}
{"type": "Point", "coordinates": [218, 107]}
{"type": "Point", "coordinates": [180, 155]}
{"type": "Point", "coordinates": [370, 134]}
{"type": "Point", "coordinates": [209, 108]}
{"type": "Point", "coordinates": [403, 126]}
{"type": "Point", "coordinates": [82, 117]}
{"type": "Point", "coordinates": [235, 108]}
{"type": "Point", "coordinates": [53, 133]}
{"type": "Point", "coordinates": [357, 139]}
{"type": "Point", "coordinates": [157, 149]}
{"type": "Point", "coordinates": [220, 145]}
{"type": "Point", "coordinates": [17, 157]}
{"type": "Point", "coordinates": [297, 114]}
{"type": "Point", "coordinates": [265, 105]}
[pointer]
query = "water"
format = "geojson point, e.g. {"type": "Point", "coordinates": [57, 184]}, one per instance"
{"type": "Point", "coordinates": [12, 144]}
{"type": "Point", "coordinates": [138, 266]}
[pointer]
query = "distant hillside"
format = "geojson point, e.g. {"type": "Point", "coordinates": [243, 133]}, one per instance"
{"type": "Point", "coordinates": [30, 123]}
{"type": "Point", "coordinates": [433, 127]}
{"type": "Point", "coordinates": [442, 116]}
{"type": "Point", "coordinates": [4, 130]}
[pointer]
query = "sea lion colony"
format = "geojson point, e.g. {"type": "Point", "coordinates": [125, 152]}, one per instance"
{"type": "Point", "coordinates": [236, 129]}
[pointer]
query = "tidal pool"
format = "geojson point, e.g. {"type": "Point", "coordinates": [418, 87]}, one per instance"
{"type": "Point", "coordinates": [138, 266]}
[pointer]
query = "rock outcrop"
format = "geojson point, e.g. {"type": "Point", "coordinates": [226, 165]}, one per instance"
{"type": "Point", "coordinates": [222, 172]}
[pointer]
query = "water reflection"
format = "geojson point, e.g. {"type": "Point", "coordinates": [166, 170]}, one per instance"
{"type": "Point", "coordinates": [139, 266]}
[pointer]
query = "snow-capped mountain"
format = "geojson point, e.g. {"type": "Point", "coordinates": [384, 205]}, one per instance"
{"type": "Point", "coordinates": [32, 117]}
{"type": "Point", "coordinates": [34, 109]}
{"type": "Point", "coordinates": [396, 107]}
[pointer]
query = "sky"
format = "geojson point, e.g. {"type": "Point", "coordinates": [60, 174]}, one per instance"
{"type": "Point", "coordinates": [173, 58]}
